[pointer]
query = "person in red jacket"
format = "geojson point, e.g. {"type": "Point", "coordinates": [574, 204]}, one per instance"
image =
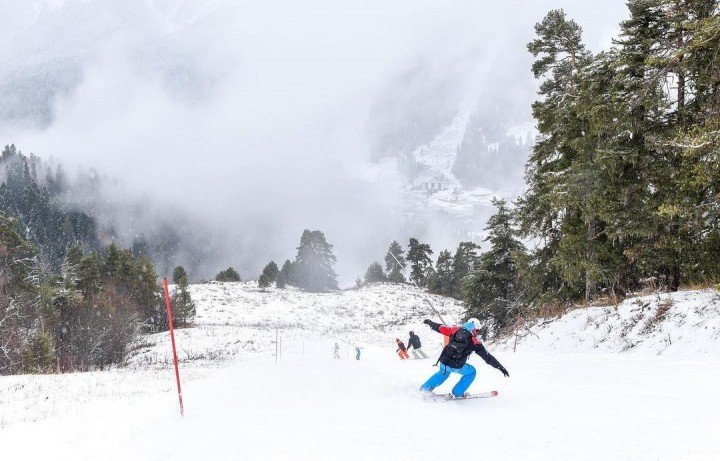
{"type": "Point", "coordinates": [401, 350]}
{"type": "Point", "coordinates": [453, 359]}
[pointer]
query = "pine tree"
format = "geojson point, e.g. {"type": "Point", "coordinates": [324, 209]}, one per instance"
{"type": "Point", "coordinates": [442, 281]}
{"type": "Point", "coordinates": [396, 276]}
{"type": "Point", "coordinates": [263, 281]}
{"type": "Point", "coordinates": [14, 257]}
{"type": "Point", "coordinates": [312, 269]}
{"type": "Point", "coordinates": [420, 262]}
{"type": "Point", "coordinates": [395, 263]}
{"type": "Point", "coordinates": [395, 258]}
{"type": "Point", "coordinates": [271, 271]}
{"type": "Point", "coordinates": [280, 282]}
{"type": "Point", "coordinates": [270, 274]}
{"type": "Point", "coordinates": [493, 290]}
{"type": "Point", "coordinates": [74, 255]}
{"type": "Point", "coordinates": [112, 260]}
{"type": "Point", "coordinates": [38, 354]}
{"type": "Point", "coordinates": [146, 291]}
{"type": "Point", "coordinates": [557, 202]}
{"type": "Point", "coordinates": [183, 306]}
{"type": "Point", "coordinates": [228, 275]}
{"type": "Point", "coordinates": [89, 274]}
{"type": "Point", "coordinates": [285, 276]}
{"type": "Point", "coordinates": [463, 264]}
{"type": "Point", "coordinates": [179, 276]}
{"type": "Point", "coordinates": [375, 273]}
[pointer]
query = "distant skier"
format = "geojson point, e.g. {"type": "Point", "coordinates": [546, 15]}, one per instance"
{"type": "Point", "coordinates": [401, 350]}
{"type": "Point", "coordinates": [414, 342]}
{"type": "Point", "coordinates": [357, 353]}
{"type": "Point", "coordinates": [453, 359]}
{"type": "Point", "coordinates": [337, 351]}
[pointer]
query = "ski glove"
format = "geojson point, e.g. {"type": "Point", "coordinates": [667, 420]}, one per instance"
{"type": "Point", "coordinates": [505, 372]}
{"type": "Point", "coordinates": [428, 322]}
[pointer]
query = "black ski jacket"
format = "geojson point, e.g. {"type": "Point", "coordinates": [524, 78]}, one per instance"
{"type": "Point", "coordinates": [476, 347]}
{"type": "Point", "coordinates": [414, 341]}
{"type": "Point", "coordinates": [401, 346]}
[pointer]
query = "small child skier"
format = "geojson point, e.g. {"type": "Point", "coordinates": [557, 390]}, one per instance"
{"type": "Point", "coordinates": [453, 359]}
{"type": "Point", "coordinates": [401, 350]}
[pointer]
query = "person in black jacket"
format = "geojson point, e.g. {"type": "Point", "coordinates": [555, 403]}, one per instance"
{"type": "Point", "coordinates": [453, 359]}
{"type": "Point", "coordinates": [414, 342]}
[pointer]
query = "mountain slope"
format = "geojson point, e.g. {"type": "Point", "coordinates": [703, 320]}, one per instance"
{"type": "Point", "coordinates": [311, 406]}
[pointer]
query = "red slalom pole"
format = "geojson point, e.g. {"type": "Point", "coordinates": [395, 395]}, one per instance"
{"type": "Point", "coordinates": [168, 306]}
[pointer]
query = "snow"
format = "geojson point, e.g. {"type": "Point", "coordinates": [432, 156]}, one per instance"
{"type": "Point", "coordinates": [683, 323]}
{"type": "Point", "coordinates": [560, 402]}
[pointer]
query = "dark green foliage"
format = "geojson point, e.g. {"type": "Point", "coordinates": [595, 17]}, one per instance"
{"type": "Point", "coordinates": [285, 277]}
{"type": "Point", "coordinates": [442, 280]}
{"type": "Point", "coordinates": [179, 276]}
{"type": "Point", "coordinates": [420, 262]}
{"type": "Point", "coordinates": [90, 310]}
{"type": "Point", "coordinates": [271, 271]}
{"type": "Point", "coordinates": [38, 355]}
{"type": "Point", "coordinates": [395, 258]}
{"type": "Point", "coordinates": [44, 223]}
{"type": "Point", "coordinates": [494, 289]}
{"type": "Point", "coordinates": [623, 181]}
{"type": "Point", "coordinates": [88, 274]}
{"type": "Point", "coordinates": [463, 263]}
{"type": "Point", "coordinates": [15, 256]}
{"type": "Point", "coordinates": [313, 265]}
{"type": "Point", "coordinates": [263, 281]}
{"type": "Point", "coordinates": [375, 273]}
{"type": "Point", "coordinates": [396, 276]}
{"type": "Point", "coordinates": [145, 291]}
{"type": "Point", "coordinates": [228, 275]}
{"type": "Point", "coordinates": [270, 275]}
{"type": "Point", "coordinates": [183, 305]}
{"type": "Point", "coordinates": [395, 263]}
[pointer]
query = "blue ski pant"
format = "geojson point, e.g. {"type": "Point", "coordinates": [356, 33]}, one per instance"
{"type": "Point", "coordinates": [467, 372]}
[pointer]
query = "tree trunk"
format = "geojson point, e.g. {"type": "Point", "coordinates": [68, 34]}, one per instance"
{"type": "Point", "coordinates": [590, 282]}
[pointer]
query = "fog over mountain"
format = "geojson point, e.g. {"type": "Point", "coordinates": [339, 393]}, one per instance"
{"type": "Point", "coordinates": [370, 120]}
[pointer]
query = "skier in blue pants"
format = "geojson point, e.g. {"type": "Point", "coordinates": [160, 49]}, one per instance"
{"type": "Point", "coordinates": [453, 359]}
{"type": "Point", "coordinates": [467, 372]}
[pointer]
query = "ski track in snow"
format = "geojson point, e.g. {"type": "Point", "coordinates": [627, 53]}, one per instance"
{"type": "Point", "coordinates": [557, 404]}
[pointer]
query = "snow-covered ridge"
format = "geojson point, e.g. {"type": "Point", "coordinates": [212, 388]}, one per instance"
{"type": "Point", "coordinates": [683, 323]}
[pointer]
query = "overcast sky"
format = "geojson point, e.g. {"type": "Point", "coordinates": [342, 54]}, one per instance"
{"type": "Point", "coordinates": [253, 114]}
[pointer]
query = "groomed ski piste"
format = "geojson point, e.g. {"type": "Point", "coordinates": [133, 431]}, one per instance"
{"type": "Point", "coordinates": [638, 381]}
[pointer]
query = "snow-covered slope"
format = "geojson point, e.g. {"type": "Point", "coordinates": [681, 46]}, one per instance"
{"type": "Point", "coordinates": [686, 323]}
{"type": "Point", "coordinates": [304, 404]}
{"type": "Point", "coordinates": [239, 320]}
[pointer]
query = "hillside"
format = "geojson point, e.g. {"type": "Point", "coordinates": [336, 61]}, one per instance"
{"type": "Point", "coordinates": [681, 323]}
{"type": "Point", "coordinates": [239, 320]}
{"type": "Point", "coordinates": [594, 402]}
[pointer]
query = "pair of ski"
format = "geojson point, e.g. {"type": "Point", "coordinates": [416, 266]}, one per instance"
{"type": "Point", "coordinates": [450, 397]}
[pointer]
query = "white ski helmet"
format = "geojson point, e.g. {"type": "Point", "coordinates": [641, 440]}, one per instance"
{"type": "Point", "coordinates": [472, 324]}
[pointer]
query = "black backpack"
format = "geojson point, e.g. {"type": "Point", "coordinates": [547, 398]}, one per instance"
{"type": "Point", "coordinates": [455, 353]}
